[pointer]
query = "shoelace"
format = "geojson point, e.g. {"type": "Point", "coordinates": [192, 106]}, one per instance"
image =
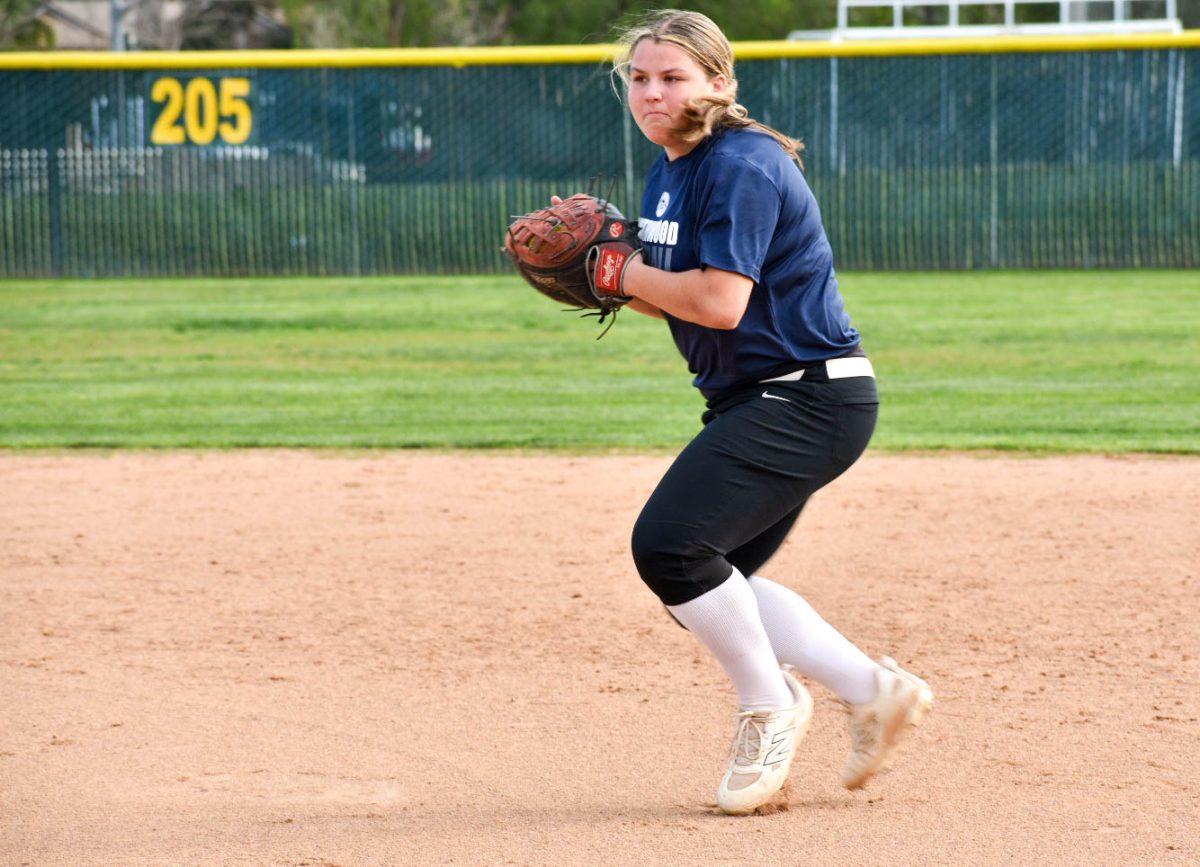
{"type": "Point", "coordinates": [748, 739]}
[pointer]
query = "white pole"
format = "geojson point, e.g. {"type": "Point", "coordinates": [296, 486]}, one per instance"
{"type": "Point", "coordinates": [833, 114]}
{"type": "Point", "coordinates": [1177, 148]}
{"type": "Point", "coordinates": [994, 158]}
{"type": "Point", "coordinates": [115, 12]}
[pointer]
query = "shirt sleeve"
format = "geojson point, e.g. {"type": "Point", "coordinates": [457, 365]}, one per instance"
{"type": "Point", "coordinates": [739, 212]}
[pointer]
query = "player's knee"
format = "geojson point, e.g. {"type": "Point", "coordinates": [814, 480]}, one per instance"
{"type": "Point", "coordinates": [653, 555]}
{"type": "Point", "coordinates": [672, 564]}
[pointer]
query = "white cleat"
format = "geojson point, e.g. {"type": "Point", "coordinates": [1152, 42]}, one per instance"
{"type": "Point", "coordinates": [878, 726]}
{"type": "Point", "coordinates": [762, 752]}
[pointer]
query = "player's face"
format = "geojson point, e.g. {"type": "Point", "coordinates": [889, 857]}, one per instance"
{"type": "Point", "coordinates": [662, 78]}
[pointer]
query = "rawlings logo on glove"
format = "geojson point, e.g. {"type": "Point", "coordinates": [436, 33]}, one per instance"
{"type": "Point", "coordinates": [606, 267]}
{"type": "Point", "coordinates": [570, 252]}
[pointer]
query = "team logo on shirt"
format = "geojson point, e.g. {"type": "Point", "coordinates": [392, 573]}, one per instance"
{"type": "Point", "coordinates": [658, 231]}
{"type": "Point", "coordinates": [660, 236]}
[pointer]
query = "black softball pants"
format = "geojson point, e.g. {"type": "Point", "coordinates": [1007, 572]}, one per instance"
{"type": "Point", "coordinates": [733, 494]}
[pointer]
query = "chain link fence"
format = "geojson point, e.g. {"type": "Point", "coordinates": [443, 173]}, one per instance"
{"type": "Point", "coordinates": [1007, 159]}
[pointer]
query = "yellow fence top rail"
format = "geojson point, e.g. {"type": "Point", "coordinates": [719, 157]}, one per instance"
{"type": "Point", "coordinates": [491, 56]}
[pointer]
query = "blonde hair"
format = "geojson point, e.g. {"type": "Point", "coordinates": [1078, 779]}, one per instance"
{"type": "Point", "coordinates": [704, 42]}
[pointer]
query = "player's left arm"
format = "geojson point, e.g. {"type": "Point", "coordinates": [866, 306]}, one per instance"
{"type": "Point", "coordinates": [706, 296]}
{"type": "Point", "coordinates": [739, 216]}
{"type": "Point", "coordinates": [646, 308]}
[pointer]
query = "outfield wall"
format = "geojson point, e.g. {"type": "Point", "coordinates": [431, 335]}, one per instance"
{"type": "Point", "coordinates": [1025, 152]}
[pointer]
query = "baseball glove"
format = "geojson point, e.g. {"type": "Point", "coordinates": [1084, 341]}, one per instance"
{"type": "Point", "coordinates": [575, 252]}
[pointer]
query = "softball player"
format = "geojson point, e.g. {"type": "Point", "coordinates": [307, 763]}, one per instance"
{"type": "Point", "coordinates": [738, 264]}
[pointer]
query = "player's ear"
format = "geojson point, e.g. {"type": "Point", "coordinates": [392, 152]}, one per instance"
{"type": "Point", "coordinates": [719, 82]}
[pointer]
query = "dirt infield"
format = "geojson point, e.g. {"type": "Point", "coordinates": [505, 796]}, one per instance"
{"type": "Point", "coordinates": [284, 658]}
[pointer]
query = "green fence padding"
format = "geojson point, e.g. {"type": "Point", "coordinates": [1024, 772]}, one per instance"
{"type": "Point", "coordinates": [952, 160]}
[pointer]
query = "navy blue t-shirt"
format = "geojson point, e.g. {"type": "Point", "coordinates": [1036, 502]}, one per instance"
{"type": "Point", "coordinates": [738, 202]}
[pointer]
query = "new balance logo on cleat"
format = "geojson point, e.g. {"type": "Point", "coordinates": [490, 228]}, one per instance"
{"type": "Point", "coordinates": [780, 747]}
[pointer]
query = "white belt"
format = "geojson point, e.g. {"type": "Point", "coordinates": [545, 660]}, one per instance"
{"type": "Point", "coordinates": [835, 368]}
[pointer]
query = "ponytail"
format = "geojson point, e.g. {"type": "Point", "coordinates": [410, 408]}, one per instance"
{"type": "Point", "coordinates": [706, 114]}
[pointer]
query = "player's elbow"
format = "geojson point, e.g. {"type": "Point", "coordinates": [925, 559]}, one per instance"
{"type": "Point", "coordinates": [725, 319]}
{"type": "Point", "coordinates": [725, 310]}
{"type": "Point", "coordinates": [727, 298]}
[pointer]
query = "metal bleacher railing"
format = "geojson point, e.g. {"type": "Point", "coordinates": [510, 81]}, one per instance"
{"type": "Point", "coordinates": [916, 19]}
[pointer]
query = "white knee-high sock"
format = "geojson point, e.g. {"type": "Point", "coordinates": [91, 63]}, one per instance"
{"type": "Point", "coordinates": [802, 638]}
{"type": "Point", "coordinates": [726, 620]}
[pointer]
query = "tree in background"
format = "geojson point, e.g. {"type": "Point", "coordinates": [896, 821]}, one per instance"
{"type": "Point", "coordinates": [230, 24]}
{"type": "Point", "coordinates": [21, 27]}
{"type": "Point", "coordinates": [545, 21]}
{"type": "Point", "coordinates": [397, 23]}
{"type": "Point", "coordinates": [405, 23]}
{"type": "Point", "coordinates": [382, 23]}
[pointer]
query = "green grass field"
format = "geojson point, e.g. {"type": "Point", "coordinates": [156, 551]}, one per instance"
{"type": "Point", "coordinates": [1039, 361]}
